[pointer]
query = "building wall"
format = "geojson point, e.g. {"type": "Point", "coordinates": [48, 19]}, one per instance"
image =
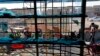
{"type": "Point", "coordinates": [23, 11]}
{"type": "Point", "coordinates": [90, 11]}
{"type": "Point", "coordinates": [96, 9]}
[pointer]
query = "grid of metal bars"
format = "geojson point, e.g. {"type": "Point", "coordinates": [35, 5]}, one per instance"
{"type": "Point", "coordinates": [59, 21]}
{"type": "Point", "coordinates": [83, 19]}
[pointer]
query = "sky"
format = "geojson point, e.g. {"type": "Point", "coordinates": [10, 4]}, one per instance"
{"type": "Point", "coordinates": [20, 5]}
{"type": "Point", "coordinates": [13, 5]}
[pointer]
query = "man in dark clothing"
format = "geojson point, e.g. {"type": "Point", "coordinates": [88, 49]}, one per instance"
{"type": "Point", "coordinates": [39, 32]}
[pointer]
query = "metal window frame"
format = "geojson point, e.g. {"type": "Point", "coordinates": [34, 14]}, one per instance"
{"type": "Point", "coordinates": [82, 25]}
{"type": "Point", "coordinates": [56, 16]}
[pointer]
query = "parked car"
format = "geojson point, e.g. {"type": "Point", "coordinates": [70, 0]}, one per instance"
{"type": "Point", "coordinates": [94, 19]}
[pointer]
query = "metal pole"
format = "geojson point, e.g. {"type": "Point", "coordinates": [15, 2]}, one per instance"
{"type": "Point", "coordinates": [36, 33]}
{"type": "Point", "coordinates": [61, 27]}
{"type": "Point", "coordinates": [82, 27]}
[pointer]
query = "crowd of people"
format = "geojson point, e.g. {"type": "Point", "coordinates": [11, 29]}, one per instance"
{"type": "Point", "coordinates": [93, 27]}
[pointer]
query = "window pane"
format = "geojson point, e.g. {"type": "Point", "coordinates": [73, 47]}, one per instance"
{"type": "Point", "coordinates": [57, 7]}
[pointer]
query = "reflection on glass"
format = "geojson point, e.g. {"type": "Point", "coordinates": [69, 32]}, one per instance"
{"type": "Point", "coordinates": [43, 8]}
{"type": "Point", "coordinates": [59, 7]}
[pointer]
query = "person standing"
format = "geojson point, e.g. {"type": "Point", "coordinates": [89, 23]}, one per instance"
{"type": "Point", "coordinates": [27, 33]}
{"type": "Point", "coordinates": [39, 33]}
{"type": "Point", "coordinates": [93, 28]}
